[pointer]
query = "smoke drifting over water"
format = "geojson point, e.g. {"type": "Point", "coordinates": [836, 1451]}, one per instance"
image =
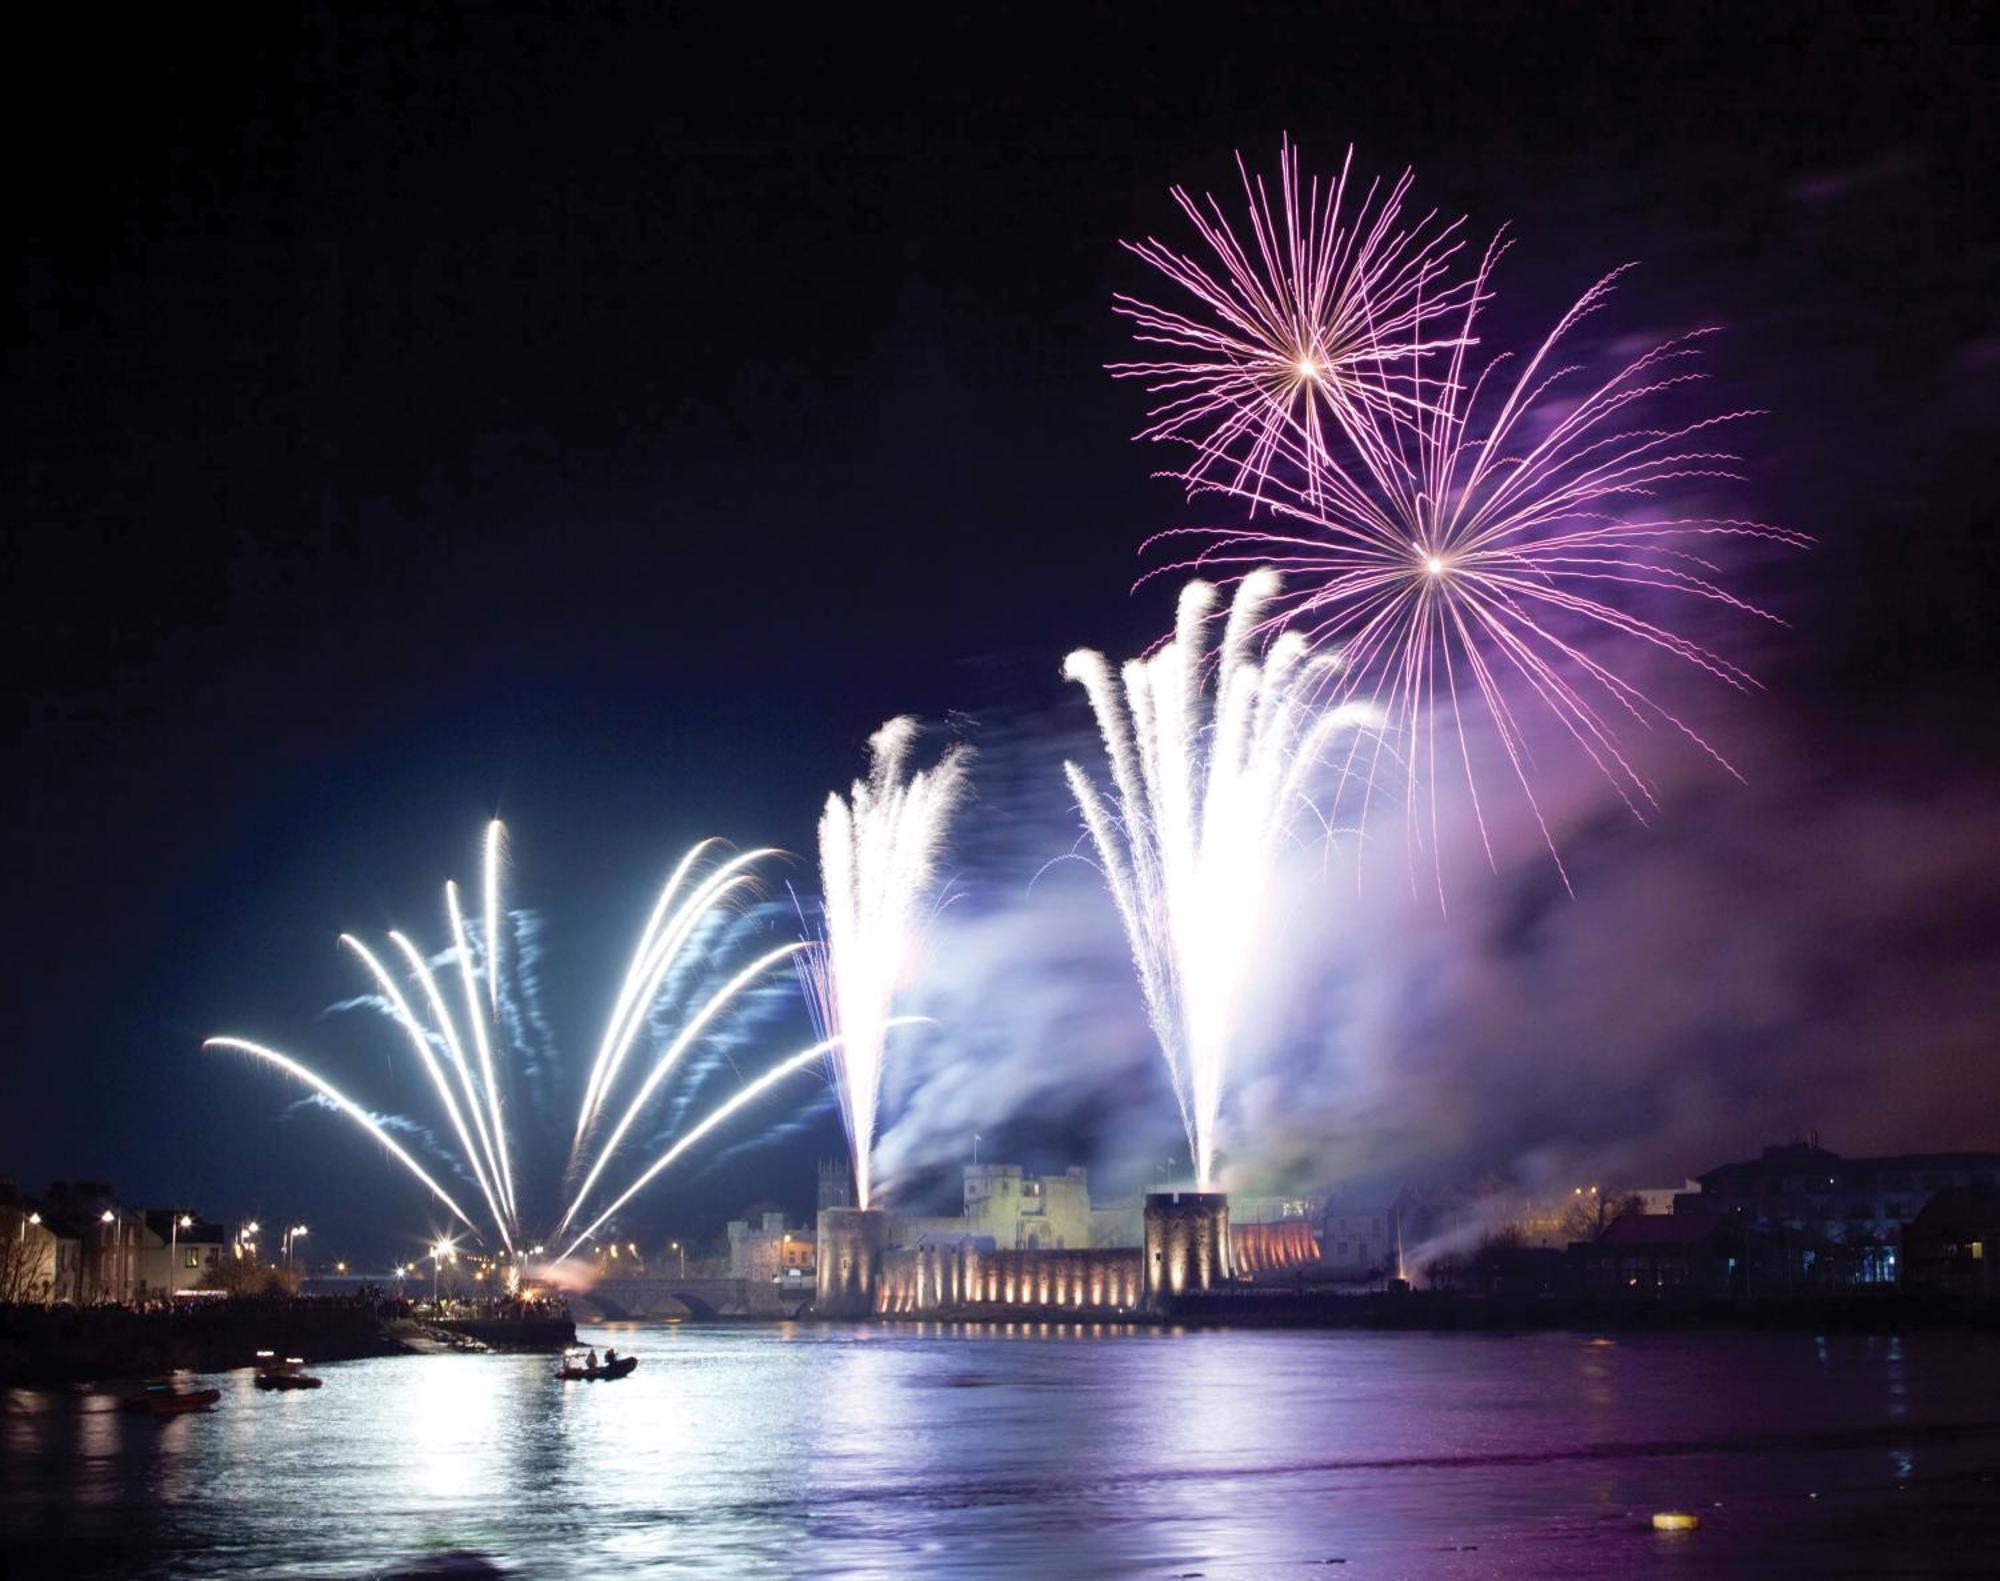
{"type": "Point", "coordinates": [1764, 959]}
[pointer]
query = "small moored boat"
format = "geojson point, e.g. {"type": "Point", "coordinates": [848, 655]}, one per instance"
{"type": "Point", "coordinates": [575, 1368]}
{"type": "Point", "coordinates": [287, 1374]}
{"type": "Point", "coordinates": [164, 1396]}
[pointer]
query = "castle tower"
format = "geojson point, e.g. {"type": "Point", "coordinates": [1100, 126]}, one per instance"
{"type": "Point", "coordinates": [836, 1185]}
{"type": "Point", "coordinates": [852, 1242]}
{"type": "Point", "coordinates": [1187, 1244]}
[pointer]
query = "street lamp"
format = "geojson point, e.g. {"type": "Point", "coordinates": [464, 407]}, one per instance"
{"type": "Point", "coordinates": [439, 1253]}
{"type": "Point", "coordinates": [681, 1252]}
{"type": "Point", "coordinates": [107, 1218]}
{"type": "Point", "coordinates": [181, 1221]}
{"type": "Point", "coordinates": [291, 1235]}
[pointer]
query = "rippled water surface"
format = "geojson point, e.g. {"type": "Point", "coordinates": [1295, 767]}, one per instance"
{"type": "Point", "coordinates": [1045, 1451]}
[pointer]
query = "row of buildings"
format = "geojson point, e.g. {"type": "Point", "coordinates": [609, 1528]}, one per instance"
{"type": "Point", "coordinates": [1802, 1219]}
{"type": "Point", "coordinates": [78, 1243]}
{"type": "Point", "coordinates": [1797, 1219]}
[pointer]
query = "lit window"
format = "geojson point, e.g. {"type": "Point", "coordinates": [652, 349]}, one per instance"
{"type": "Point", "coordinates": [1978, 1250]}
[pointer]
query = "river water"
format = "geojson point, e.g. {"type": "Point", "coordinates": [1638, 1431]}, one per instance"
{"type": "Point", "coordinates": [1047, 1451]}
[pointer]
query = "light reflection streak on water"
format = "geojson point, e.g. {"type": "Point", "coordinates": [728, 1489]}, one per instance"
{"type": "Point", "coordinates": [1022, 1449]}
{"type": "Point", "coordinates": [98, 1441]}
{"type": "Point", "coordinates": [451, 1450]}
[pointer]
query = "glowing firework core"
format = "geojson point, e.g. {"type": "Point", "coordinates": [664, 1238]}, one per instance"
{"type": "Point", "coordinates": [1311, 308]}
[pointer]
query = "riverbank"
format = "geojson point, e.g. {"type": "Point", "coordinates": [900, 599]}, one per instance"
{"type": "Point", "coordinates": [1264, 1307]}
{"type": "Point", "coordinates": [1447, 1311]}
{"type": "Point", "coordinates": [54, 1346]}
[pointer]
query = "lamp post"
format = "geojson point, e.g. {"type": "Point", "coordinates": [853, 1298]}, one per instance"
{"type": "Point", "coordinates": [290, 1236]}
{"type": "Point", "coordinates": [179, 1222]}
{"type": "Point", "coordinates": [679, 1251]}
{"type": "Point", "coordinates": [107, 1218]}
{"type": "Point", "coordinates": [20, 1235]}
{"type": "Point", "coordinates": [439, 1253]}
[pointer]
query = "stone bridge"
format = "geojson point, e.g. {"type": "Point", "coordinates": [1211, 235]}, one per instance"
{"type": "Point", "coordinates": [622, 1299]}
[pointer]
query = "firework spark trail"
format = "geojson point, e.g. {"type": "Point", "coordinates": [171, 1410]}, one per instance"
{"type": "Point", "coordinates": [496, 835]}
{"type": "Point", "coordinates": [1463, 546]}
{"type": "Point", "coordinates": [695, 1025]}
{"type": "Point", "coordinates": [666, 949]}
{"type": "Point", "coordinates": [406, 1018]}
{"type": "Point", "coordinates": [805, 1059]}
{"type": "Point", "coordinates": [878, 852]}
{"type": "Point", "coordinates": [1206, 782]}
{"type": "Point", "coordinates": [447, 1030]}
{"type": "Point", "coordinates": [661, 948]}
{"type": "Point", "coordinates": [484, 1045]}
{"type": "Point", "coordinates": [1316, 327]}
{"type": "Point", "coordinates": [640, 955]}
{"type": "Point", "coordinates": [347, 1107]}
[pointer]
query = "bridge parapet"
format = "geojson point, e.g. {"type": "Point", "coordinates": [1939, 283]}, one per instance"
{"type": "Point", "coordinates": [650, 1296]}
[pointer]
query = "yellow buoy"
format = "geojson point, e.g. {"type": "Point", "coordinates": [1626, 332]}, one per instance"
{"type": "Point", "coordinates": [1675, 1521]}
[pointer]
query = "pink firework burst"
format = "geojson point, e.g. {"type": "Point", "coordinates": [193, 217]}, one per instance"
{"type": "Point", "coordinates": [1313, 325]}
{"type": "Point", "coordinates": [1472, 538]}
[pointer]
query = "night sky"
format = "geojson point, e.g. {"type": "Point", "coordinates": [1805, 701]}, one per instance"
{"type": "Point", "coordinates": [607, 422]}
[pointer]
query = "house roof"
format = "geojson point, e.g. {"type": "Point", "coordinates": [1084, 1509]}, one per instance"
{"type": "Point", "coordinates": [1959, 1210]}
{"type": "Point", "coordinates": [1797, 1157]}
{"type": "Point", "coordinates": [1663, 1229]}
{"type": "Point", "coordinates": [159, 1221]}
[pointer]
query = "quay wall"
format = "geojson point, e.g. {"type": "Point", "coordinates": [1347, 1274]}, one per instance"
{"type": "Point", "coordinates": [63, 1344]}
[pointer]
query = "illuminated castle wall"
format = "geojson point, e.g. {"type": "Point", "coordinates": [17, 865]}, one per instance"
{"type": "Point", "coordinates": [969, 1273]}
{"type": "Point", "coordinates": [1272, 1248]}
{"type": "Point", "coordinates": [1007, 1253]}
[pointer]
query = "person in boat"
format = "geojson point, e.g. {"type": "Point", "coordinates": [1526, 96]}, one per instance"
{"type": "Point", "coordinates": [591, 1362]}
{"type": "Point", "coordinates": [610, 1357]}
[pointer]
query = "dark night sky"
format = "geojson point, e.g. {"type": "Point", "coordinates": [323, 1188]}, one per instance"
{"type": "Point", "coordinates": [607, 422]}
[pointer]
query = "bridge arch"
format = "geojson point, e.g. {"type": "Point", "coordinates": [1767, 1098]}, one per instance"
{"type": "Point", "coordinates": [594, 1308]}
